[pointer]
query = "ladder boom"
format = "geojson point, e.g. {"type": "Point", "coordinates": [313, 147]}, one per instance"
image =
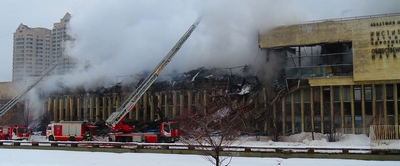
{"type": "Point", "coordinates": [15, 99]}
{"type": "Point", "coordinates": [131, 101]}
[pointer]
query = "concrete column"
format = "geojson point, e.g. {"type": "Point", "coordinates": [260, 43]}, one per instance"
{"type": "Point", "coordinates": [152, 108]}
{"type": "Point", "coordinates": [104, 109]}
{"type": "Point", "coordinates": [205, 101]}
{"type": "Point", "coordinates": [321, 106]}
{"type": "Point", "coordinates": [342, 119]}
{"type": "Point", "coordinates": [174, 104]}
{"type": "Point", "coordinates": [384, 105]}
{"type": "Point", "coordinates": [166, 103]}
{"type": "Point", "coordinates": [61, 109]}
{"type": "Point", "coordinates": [49, 105]}
{"type": "Point", "coordinates": [312, 109]}
{"type": "Point", "coordinates": [91, 108]}
{"type": "Point", "coordinates": [190, 102]}
{"type": "Point", "coordinates": [283, 115]}
{"type": "Point", "coordinates": [67, 110]}
{"type": "Point", "coordinates": [138, 108]}
{"type": "Point", "coordinates": [332, 110]}
{"type": "Point", "coordinates": [159, 105]}
{"type": "Point", "coordinates": [145, 105]}
{"type": "Point", "coordinates": [396, 112]}
{"type": "Point", "coordinates": [97, 109]}
{"type": "Point", "coordinates": [117, 102]}
{"type": "Point", "coordinates": [79, 108]}
{"type": "Point", "coordinates": [56, 117]}
{"type": "Point", "coordinates": [374, 104]}
{"type": "Point", "coordinates": [110, 105]}
{"type": "Point", "coordinates": [181, 104]}
{"type": "Point", "coordinates": [72, 114]}
{"type": "Point", "coordinates": [293, 113]}
{"type": "Point", "coordinates": [353, 121]}
{"type": "Point", "coordinates": [363, 108]}
{"type": "Point", "coordinates": [302, 109]}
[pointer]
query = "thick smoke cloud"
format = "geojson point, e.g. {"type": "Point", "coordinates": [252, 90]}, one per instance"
{"type": "Point", "coordinates": [119, 38]}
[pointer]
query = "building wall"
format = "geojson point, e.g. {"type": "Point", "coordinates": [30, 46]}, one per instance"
{"type": "Point", "coordinates": [375, 41]}
{"type": "Point", "coordinates": [31, 55]}
{"type": "Point", "coordinates": [36, 49]}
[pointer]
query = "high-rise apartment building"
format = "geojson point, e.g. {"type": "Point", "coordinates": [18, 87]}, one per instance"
{"type": "Point", "coordinates": [36, 49]}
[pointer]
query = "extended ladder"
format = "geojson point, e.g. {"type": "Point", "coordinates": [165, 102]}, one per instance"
{"type": "Point", "coordinates": [15, 100]}
{"type": "Point", "coordinates": [130, 102]}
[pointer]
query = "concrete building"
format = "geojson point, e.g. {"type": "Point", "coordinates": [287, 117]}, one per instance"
{"type": "Point", "coordinates": [35, 49]}
{"type": "Point", "coordinates": [338, 74]}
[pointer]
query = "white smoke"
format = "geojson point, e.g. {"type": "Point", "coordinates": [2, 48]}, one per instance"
{"type": "Point", "coordinates": [125, 37]}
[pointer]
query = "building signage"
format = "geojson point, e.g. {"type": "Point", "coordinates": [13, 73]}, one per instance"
{"type": "Point", "coordinates": [386, 39]}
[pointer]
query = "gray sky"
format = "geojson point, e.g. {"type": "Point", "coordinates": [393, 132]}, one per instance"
{"type": "Point", "coordinates": [123, 37]}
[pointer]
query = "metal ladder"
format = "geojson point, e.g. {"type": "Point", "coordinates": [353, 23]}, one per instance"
{"type": "Point", "coordinates": [15, 99]}
{"type": "Point", "coordinates": [130, 102]}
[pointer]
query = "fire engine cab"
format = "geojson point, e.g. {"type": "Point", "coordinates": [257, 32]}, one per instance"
{"type": "Point", "coordinates": [69, 130]}
{"type": "Point", "coordinates": [14, 133]}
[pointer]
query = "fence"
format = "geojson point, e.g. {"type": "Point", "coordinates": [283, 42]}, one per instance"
{"type": "Point", "coordinates": [385, 137]}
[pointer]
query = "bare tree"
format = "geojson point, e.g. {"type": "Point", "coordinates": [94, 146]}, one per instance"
{"type": "Point", "coordinates": [217, 127]}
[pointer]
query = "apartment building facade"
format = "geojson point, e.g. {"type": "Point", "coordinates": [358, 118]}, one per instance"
{"type": "Point", "coordinates": [36, 49]}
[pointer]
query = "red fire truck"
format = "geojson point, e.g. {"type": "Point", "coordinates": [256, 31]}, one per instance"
{"type": "Point", "coordinates": [163, 131]}
{"type": "Point", "coordinates": [14, 133]}
{"type": "Point", "coordinates": [69, 130]}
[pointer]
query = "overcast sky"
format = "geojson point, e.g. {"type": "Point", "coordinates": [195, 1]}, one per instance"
{"type": "Point", "coordinates": [123, 37]}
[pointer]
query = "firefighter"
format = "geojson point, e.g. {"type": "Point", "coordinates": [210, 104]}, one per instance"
{"type": "Point", "coordinates": [88, 136]}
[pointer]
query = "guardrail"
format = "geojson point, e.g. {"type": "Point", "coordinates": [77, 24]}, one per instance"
{"type": "Point", "coordinates": [176, 146]}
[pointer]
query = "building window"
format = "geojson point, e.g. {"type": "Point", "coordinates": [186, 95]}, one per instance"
{"type": "Point", "coordinates": [368, 92]}
{"type": "Point", "coordinates": [357, 93]}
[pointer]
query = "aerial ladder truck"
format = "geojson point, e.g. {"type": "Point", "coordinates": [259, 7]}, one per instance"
{"type": "Point", "coordinates": [167, 131]}
{"type": "Point", "coordinates": [22, 132]}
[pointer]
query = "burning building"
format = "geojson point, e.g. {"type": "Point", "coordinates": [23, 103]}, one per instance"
{"type": "Point", "coordinates": [339, 74]}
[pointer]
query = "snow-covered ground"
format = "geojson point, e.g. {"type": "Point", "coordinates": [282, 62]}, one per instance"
{"type": "Point", "coordinates": [19, 157]}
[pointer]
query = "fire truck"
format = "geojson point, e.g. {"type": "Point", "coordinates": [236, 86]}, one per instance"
{"type": "Point", "coordinates": [165, 131]}
{"type": "Point", "coordinates": [69, 130]}
{"type": "Point", "coordinates": [14, 133]}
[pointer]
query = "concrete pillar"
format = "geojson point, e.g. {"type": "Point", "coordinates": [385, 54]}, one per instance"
{"type": "Point", "coordinates": [104, 109]}
{"type": "Point", "coordinates": [49, 105]}
{"type": "Point", "coordinates": [384, 105]}
{"type": "Point", "coordinates": [396, 110]}
{"type": "Point", "coordinates": [302, 109]}
{"type": "Point", "coordinates": [97, 109]}
{"type": "Point", "coordinates": [79, 108]}
{"type": "Point", "coordinates": [342, 119]}
{"type": "Point", "coordinates": [67, 111]}
{"type": "Point", "coordinates": [293, 113]}
{"type": "Point", "coordinates": [363, 108]}
{"type": "Point", "coordinates": [72, 114]}
{"type": "Point", "coordinates": [174, 104]}
{"type": "Point", "coordinates": [159, 105]}
{"type": "Point", "coordinates": [283, 101]}
{"type": "Point", "coordinates": [139, 105]}
{"type": "Point", "coordinates": [55, 110]}
{"type": "Point", "coordinates": [205, 101]}
{"type": "Point", "coordinates": [374, 104]}
{"type": "Point", "coordinates": [332, 110]}
{"type": "Point", "coordinates": [145, 105]}
{"type": "Point", "coordinates": [91, 108]}
{"type": "Point", "coordinates": [181, 104]}
{"type": "Point", "coordinates": [312, 109]}
{"type": "Point", "coordinates": [110, 106]}
{"type": "Point", "coordinates": [321, 117]}
{"type": "Point", "coordinates": [190, 102]}
{"type": "Point", "coordinates": [61, 109]}
{"type": "Point", "coordinates": [152, 108]}
{"type": "Point", "coordinates": [117, 102]}
{"type": "Point", "coordinates": [166, 103]}
{"type": "Point", "coordinates": [353, 121]}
